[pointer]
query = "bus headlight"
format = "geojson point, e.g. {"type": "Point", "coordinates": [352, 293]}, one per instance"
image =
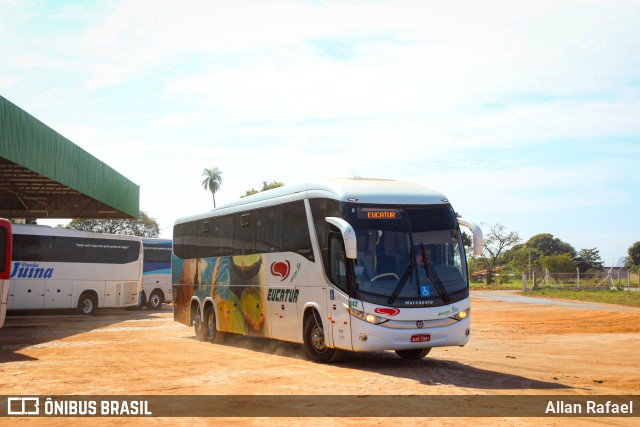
{"type": "Point", "coordinates": [376, 320]}
{"type": "Point", "coordinates": [462, 315]}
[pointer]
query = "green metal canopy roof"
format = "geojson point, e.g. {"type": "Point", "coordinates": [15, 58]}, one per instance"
{"type": "Point", "coordinates": [44, 175]}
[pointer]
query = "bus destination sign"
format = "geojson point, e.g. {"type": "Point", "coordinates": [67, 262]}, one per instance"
{"type": "Point", "coordinates": [366, 213]}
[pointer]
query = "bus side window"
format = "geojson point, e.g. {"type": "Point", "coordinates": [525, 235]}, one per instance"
{"type": "Point", "coordinates": [244, 236]}
{"type": "Point", "coordinates": [295, 230]}
{"type": "Point", "coordinates": [268, 224]}
{"type": "Point", "coordinates": [337, 262]}
{"type": "Point", "coordinates": [223, 236]}
{"type": "Point", "coordinates": [320, 209]}
{"type": "Point", "coordinates": [205, 239]}
{"type": "Point", "coordinates": [190, 240]}
{"type": "Point", "coordinates": [178, 240]}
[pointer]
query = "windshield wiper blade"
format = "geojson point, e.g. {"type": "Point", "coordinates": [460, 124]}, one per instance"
{"type": "Point", "coordinates": [431, 274]}
{"type": "Point", "coordinates": [402, 282]}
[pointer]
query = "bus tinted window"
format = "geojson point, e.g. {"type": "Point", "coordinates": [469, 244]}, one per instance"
{"type": "Point", "coordinates": [295, 230]}
{"type": "Point", "coordinates": [190, 240]}
{"type": "Point", "coordinates": [178, 240]}
{"type": "Point", "coordinates": [74, 249]}
{"type": "Point", "coordinates": [320, 209]}
{"type": "Point", "coordinates": [268, 229]}
{"type": "Point", "coordinates": [432, 218]}
{"type": "Point", "coordinates": [205, 239]}
{"type": "Point", "coordinates": [244, 235]}
{"type": "Point", "coordinates": [154, 252]}
{"type": "Point", "coordinates": [223, 236]}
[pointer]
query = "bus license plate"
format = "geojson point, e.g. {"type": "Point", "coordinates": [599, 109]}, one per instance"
{"type": "Point", "coordinates": [421, 338]}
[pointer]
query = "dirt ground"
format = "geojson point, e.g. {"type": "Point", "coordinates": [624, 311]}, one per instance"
{"type": "Point", "coordinates": [516, 349]}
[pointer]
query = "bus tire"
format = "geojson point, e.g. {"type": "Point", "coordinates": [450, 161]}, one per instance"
{"type": "Point", "coordinates": [155, 300]}
{"type": "Point", "coordinates": [211, 334]}
{"type": "Point", "coordinates": [199, 327]}
{"type": "Point", "coordinates": [87, 303]}
{"type": "Point", "coordinates": [315, 346]}
{"type": "Point", "coordinates": [414, 353]}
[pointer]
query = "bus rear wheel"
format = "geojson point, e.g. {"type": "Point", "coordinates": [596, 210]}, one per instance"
{"type": "Point", "coordinates": [211, 334]}
{"type": "Point", "coordinates": [315, 346]}
{"type": "Point", "coordinates": [87, 304]}
{"type": "Point", "coordinates": [155, 300]}
{"type": "Point", "coordinates": [199, 326]}
{"type": "Point", "coordinates": [414, 353]}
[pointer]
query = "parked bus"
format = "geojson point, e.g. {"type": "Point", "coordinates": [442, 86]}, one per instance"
{"type": "Point", "coordinates": [58, 268]}
{"type": "Point", "coordinates": [5, 266]}
{"type": "Point", "coordinates": [338, 265]}
{"type": "Point", "coordinates": [156, 278]}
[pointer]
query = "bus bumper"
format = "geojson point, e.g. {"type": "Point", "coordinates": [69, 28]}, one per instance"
{"type": "Point", "coordinates": [369, 337]}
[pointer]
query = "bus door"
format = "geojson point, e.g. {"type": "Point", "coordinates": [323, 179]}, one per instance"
{"type": "Point", "coordinates": [337, 297]}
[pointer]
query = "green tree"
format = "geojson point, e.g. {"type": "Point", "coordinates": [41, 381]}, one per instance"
{"type": "Point", "coordinates": [588, 259]}
{"type": "Point", "coordinates": [547, 244]}
{"type": "Point", "coordinates": [144, 226]}
{"type": "Point", "coordinates": [212, 181]}
{"type": "Point", "coordinates": [265, 186]}
{"type": "Point", "coordinates": [521, 258]}
{"type": "Point", "coordinates": [561, 263]}
{"type": "Point", "coordinates": [496, 241]}
{"type": "Point", "coordinates": [634, 255]}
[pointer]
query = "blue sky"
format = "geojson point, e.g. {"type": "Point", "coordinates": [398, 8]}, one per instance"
{"type": "Point", "coordinates": [522, 113]}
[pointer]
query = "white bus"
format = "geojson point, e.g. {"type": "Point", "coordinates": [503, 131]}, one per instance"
{"type": "Point", "coordinates": [62, 269]}
{"type": "Point", "coordinates": [156, 278]}
{"type": "Point", "coordinates": [5, 266]}
{"type": "Point", "coordinates": [338, 265]}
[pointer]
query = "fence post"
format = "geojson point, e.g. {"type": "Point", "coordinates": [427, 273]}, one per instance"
{"type": "Point", "coordinates": [524, 282]}
{"type": "Point", "coordinates": [535, 285]}
{"type": "Point", "coordinates": [578, 270]}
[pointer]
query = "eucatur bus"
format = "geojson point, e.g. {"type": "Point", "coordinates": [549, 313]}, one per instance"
{"type": "Point", "coordinates": [338, 265]}
{"type": "Point", "coordinates": [5, 266]}
{"type": "Point", "coordinates": [55, 268]}
{"type": "Point", "coordinates": [156, 278]}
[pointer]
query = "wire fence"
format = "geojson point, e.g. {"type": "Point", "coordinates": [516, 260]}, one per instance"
{"type": "Point", "coordinates": [620, 279]}
{"type": "Point", "coordinates": [606, 279]}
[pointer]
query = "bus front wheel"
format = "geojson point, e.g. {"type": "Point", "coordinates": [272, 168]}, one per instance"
{"type": "Point", "coordinates": [415, 353]}
{"type": "Point", "coordinates": [315, 346]}
{"type": "Point", "coordinates": [87, 304]}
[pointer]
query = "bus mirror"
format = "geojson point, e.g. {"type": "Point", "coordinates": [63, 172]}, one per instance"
{"type": "Point", "coordinates": [348, 235]}
{"type": "Point", "coordinates": [478, 239]}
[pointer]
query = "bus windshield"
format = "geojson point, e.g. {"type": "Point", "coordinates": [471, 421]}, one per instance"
{"type": "Point", "coordinates": [408, 256]}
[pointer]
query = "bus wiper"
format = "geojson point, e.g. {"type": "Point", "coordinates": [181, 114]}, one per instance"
{"type": "Point", "coordinates": [431, 274]}
{"type": "Point", "coordinates": [402, 282]}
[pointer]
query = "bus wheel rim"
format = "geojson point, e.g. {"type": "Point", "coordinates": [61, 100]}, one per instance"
{"type": "Point", "coordinates": [317, 339]}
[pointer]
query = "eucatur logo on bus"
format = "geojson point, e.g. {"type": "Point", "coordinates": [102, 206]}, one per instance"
{"type": "Point", "coordinates": [281, 269]}
{"type": "Point", "coordinates": [388, 311]}
{"type": "Point", "coordinates": [30, 270]}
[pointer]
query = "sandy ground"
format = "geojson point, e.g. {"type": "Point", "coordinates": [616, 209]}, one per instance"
{"type": "Point", "coordinates": [517, 348]}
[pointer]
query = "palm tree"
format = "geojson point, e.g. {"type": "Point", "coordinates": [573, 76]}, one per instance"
{"type": "Point", "coordinates": [212, 181]}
